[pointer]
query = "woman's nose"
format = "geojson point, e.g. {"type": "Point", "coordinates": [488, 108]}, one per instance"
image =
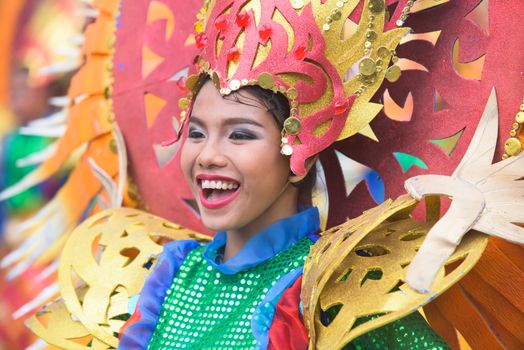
{"type": "Point", "coordinates": [211, 155]}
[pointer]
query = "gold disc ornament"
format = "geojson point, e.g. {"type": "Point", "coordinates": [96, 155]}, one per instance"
{"type": "Point", "coordinates": [292, 125]}
{"type": "Point", "coordinates": [393, 74]}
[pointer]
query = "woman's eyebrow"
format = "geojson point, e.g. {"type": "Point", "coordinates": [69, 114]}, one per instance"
{"type": "Point", "coordinates": [229, 121]}
{"type": "Point", "coordinates": [195, 120]}
{"type": "Point", "coordinates": [239, 120]}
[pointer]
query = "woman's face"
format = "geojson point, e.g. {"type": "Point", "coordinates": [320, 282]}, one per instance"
{"type": "Point", "coordinates": [232, 162]}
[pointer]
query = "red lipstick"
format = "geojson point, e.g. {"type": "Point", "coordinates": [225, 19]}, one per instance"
{"type": "Point", "coordinates": [225, 198]}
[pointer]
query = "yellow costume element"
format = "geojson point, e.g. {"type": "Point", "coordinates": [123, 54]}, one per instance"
{"type": "Point", "coordinates": [111, 254]}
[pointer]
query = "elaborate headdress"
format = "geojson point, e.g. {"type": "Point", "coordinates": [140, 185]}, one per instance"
{"type": "Point", "coordinates": [306, 51]}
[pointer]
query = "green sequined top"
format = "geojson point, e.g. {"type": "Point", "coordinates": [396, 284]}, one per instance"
{"type": "Point", "coordinates": [207, 309]}
{"type": "Point", "coordinates": [409, 333]}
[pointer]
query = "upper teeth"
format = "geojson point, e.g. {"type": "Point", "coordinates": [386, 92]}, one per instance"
{"type": "Point", "coordinates": [218, 184]}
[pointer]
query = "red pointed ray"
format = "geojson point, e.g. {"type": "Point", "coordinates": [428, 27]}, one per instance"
{"type": "Point", "coordinates": [502, 48]}
{"type": "Point", "coordinates": [162, 187]}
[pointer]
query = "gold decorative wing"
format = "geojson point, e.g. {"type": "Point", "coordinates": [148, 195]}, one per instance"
{"type": "Point", "coordinates": [355, 273]}
{"type": "Point", "coordinates": [104, 263]}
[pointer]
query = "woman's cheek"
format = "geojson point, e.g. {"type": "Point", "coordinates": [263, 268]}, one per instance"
{"type": "Point", "coordinates": [188, 159]}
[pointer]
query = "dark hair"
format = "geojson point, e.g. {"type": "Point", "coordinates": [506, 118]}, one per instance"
{"type": "Point", "coordinates": [278, 105]}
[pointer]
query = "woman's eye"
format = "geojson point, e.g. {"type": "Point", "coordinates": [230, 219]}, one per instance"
{"type": "Point", "coordinates": [195, 134]}
{"type": "Point", "coordinates": [242, 135]}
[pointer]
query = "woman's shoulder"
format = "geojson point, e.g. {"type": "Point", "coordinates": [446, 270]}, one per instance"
{"type": "Point", "coordinates": [148, 304]}
{"type": "Point", "coordinates": [172, 257]}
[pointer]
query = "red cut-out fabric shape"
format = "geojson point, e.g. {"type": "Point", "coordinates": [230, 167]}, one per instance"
{"type": "Point", "coordinates": [243, 19]}
{"type": "Point", "coordinates": [466, 99]}
{"type": "Point", "coordinates": [300, 52]}
{"type": "Point", "coordinates": [265, 33]}
{"type": "Point", "coordinates": [341, 106]}
{"type": "Point", "coordinates": [221, 24]}
{"type": "Point", "coordinates": [135, 317]}
{"type": "Point", "coordinates": [201, 40]}
{"type": "Point", "coordinates": [287, 332]}
{"type": "Point", "coordinates": [233, 55]}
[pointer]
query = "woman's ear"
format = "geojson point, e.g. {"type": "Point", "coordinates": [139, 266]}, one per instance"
{"type": "Point", "coordinates": [295, 179]}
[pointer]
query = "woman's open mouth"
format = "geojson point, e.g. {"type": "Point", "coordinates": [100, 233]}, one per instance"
{"type": "Point", "coordinates": [216, 192]}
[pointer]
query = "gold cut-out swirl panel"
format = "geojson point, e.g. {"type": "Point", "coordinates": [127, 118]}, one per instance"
{"type": "Point", "coordinates": [104, 263]}
{"type": "Point", "coordinates": [355, 275]}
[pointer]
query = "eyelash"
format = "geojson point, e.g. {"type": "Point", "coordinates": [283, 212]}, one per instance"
{"type": "Point", "coordinates": [195, 134]}
{"type": "Point", "coordinates": [242, 135]}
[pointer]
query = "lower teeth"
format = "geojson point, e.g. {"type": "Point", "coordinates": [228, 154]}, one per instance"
{"type": "Point", "coordinates": [218, 194]}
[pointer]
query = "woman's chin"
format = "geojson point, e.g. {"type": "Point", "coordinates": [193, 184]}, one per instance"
{"type": "Point", "coordinates": [217, 224]}
{"type": "Point", "coordinates": [219, 219]}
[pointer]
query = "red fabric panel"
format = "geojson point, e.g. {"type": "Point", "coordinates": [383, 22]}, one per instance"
{"type": "Point", "coordinates": [134, 317]}
{"type": "Point", "coordinates": [288, 331]}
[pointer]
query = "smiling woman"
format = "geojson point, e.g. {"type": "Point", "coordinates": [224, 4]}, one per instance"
{"type": "Point", "coordinates": [229, 143]}
{"type": "Point", "coordinates": [250, 136]}
{"type": "Point", "coordinates": [260, 90]}
{"type": "Point", "coordinates": [241, 290]}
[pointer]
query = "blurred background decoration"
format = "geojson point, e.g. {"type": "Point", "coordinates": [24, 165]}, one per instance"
{"type": "Point", "coordinates": [39, 51]}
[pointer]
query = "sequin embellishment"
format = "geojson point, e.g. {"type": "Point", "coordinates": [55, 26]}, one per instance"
{"type": "Point", "coordinates": [206, 309]}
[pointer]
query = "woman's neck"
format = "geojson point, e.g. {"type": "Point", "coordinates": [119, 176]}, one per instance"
{"type": "Point", "coordinates": [236, 238]}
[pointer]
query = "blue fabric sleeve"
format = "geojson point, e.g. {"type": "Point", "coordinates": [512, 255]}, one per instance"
{"type": "Point", "coordinates": [138, 334]}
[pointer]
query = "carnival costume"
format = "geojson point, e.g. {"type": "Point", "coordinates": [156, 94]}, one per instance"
{"type": "Point", "coordinates": [330, 59]}
{"type": "Point", "coordinates": [250, 301]}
